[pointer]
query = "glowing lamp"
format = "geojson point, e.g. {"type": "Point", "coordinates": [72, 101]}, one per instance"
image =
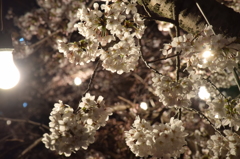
{"type": "Point", "coordinates": [9, 73]}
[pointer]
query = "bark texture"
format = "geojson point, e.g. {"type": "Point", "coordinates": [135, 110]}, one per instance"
{"type": "Point", "coordinates": [223, 19]}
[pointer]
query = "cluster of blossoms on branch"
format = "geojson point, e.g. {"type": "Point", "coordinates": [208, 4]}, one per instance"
{"type": "Point", "coordinates": [46, 22]}
{"type": "Point", "coordinates": [49, 18]}
{"type": "Point", "coordinates": [206, 50]}
{"type": "Point", "coordinates": [227, 112]}
{"type": "Point", "coordinates": [71, 131]}
{"type": "Point", "coordinates": [172, 93]}
{"type": "Point", "coordinates": [159, 140]}
{"type": "Point", "coordinates": [110, 31]}
{"type": "Point", "coordinates": [225, 147]}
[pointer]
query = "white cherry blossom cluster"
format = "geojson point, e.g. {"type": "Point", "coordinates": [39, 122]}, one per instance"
{"type": "Point", "coordinates": [225, 147]}
{"type": "Point", "coordinates": [160, 140]}
{"type": "Point", "coordinates": [234, 4]}
{"type": "Point", "coordinates": [122, 57]}
{"type": "Point", "coordinates": [206, 50]}
{"type": "Point", "coordinates": [71, 131]}
{"type": "Point", "coordinates": [31, 24]}
{"type": "Point", "coordinates": [80, 52]}
{"type": "Point", "coordinates": [57, 9]}
{"type": "Point", "coordinates": [112, 28]}
{"type": "Point", "coordinates": [225, 111]}
{"type": "Point", "coordinates": [171, 92]}
{"type": "Point", "coordinates": [111, 23]}
{"type": "Point", "coordinates": [42, 22]}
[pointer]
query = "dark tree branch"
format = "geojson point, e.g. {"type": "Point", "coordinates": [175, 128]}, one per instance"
{"type": "Point", "coordinates": [223, 19]}
{"type": "Point", "coordinates": [204, 117]}
{"type": "Point", "coordinates": [30, 147]}
{"type": "Point", "coordinates": [25, 121]}
{"type": "Point", "coordinates": [163, 58]}
{"type": "Point", "coordinates": [91, 79]}
{"type": "Point", "coordinates": [145, 62]}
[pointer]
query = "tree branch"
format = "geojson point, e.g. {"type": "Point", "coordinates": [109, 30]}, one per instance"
{"type": "Point", "coordinates": [145, 62]}
{"type": "Point", "coordinates": [163, 58]}
{"type": "Point", "coordinates": [236, 77]}
{"type": "Point", "coordinates": [91, 79]}
{"type": "Point", "coordinates": [35, 143]}
{"type": "Point", "coordinates": [25, 121]}
{"type": "Point", "coordinates": [204, 117]}
{"type": "Point", "coordinates": [223, 19]}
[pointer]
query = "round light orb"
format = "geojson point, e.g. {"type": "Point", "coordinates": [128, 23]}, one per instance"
{"type": "Point", "coordinates": [144, 105]}
{"type": "Point", "coordinates": [207, 54]}
{"type": "Point", "coordinates": [77, 81]}
{"type": "Point", "coordinates": [203, 93]}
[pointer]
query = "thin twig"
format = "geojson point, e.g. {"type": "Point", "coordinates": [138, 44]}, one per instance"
{"type": "Point", "coordinates": [215, 87]}
{"type": "Point", "coordinates": [4, 138]}
{"type": "Point", "coordinates": [30, 147]}
{"type": "Point", "coordinates": [204, 116]}
{"type": "Point", "coordinates": [236, 77]}
{"type": "Point", "coordinates": [179, 113]}
{"type": "Point", "coordinates": [44, 39]}
{"type": "Point", "coordinates": [168, 57]}
{"type": "Point", "coordinates": [89, 84]}
{"type": "Point", "coordinates": [150, 89]}
{"type": "Point", "coordinates": [25, 121]}
{"type": "Point", "coordinates": [91, 79]}
{"type": "Point", "coordinates": [145, 62]}
{"type": "Point", "coordinates": [146, 8]}
{"type": "Point", "coordinates": [178, 62]}
{"type": "Point", "coordinates": [159, 116]}
{"type": "Point", "coordinates": [126, 100]}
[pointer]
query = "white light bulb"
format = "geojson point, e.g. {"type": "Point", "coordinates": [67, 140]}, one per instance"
{"type": "Point", "coordinates": [77, 81]}
{"type": "Point", "coordinates": [9, 74]}
{"type": "Point", "coordinates": [144, 105]}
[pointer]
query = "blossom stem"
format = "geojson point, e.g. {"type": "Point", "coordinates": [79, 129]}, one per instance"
{"type": "Point", "coordinates": [29, 148]}
{"type": "Point", "coordinates": [204, 117]}
{"type": "Point", "coordinates": [164, 58]}
{"type": "Point", "coordinates": [179, 113]}
{"type": "Point", "coordinates": [215, 87]}
{"type": "Point", "coordinates": [157, 119]}
{"type": "Point", "coordinates": [91, 79]}
{"type": "Point", "coordinates": [44, 39]}
{"type": "Point", "coordinates": [145, 62]}
{"type": "Point", "coordinates": [145, 8]}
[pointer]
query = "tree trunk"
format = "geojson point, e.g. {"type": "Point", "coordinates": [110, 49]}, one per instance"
{"type": "Point", "coordinates": [223, 19]}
